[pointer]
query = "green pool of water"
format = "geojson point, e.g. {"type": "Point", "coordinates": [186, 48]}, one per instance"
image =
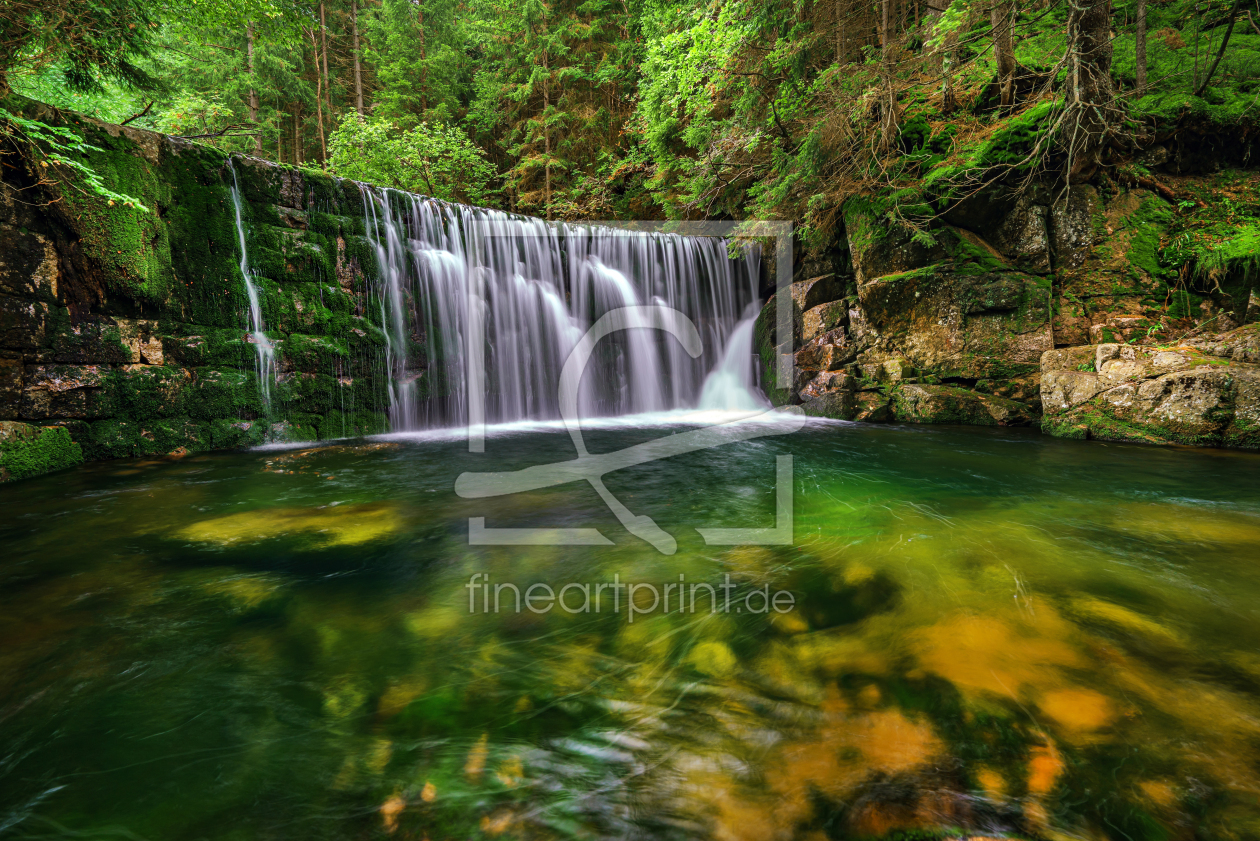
{"type": "Point", "coordinates": [989, 632]}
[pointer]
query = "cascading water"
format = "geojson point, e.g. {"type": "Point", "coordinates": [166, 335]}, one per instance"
{"type": "Point", "coordinates": [446, 273]}
{"type": "Point", "coordinates": [264, 350]}
{"type": "Point", "coordinates": [730, 387]}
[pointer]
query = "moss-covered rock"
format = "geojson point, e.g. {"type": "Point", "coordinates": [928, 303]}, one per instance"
{"type": "Point", "coordinates": [913, 403]}
{"type": "Point", "coordinates": [27, 450]}
{"type": "Point", "coordinates": [1173, 395]}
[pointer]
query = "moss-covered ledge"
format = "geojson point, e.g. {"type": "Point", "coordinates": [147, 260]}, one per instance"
{"type": "Point", "coordinates": [27, 450]}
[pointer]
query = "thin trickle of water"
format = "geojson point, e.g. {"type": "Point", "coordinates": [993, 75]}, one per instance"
{"type": "Point", "coordinates": [264, 350]}
{"type": "Point", "coordinates": [447, 273]}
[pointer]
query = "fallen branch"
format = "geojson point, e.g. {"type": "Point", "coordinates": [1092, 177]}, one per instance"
{"type": "Point", "coordinates": [232, 128]}
{"type": "Point", "coordinates": [138, 115]}
{"type": "Point", "coordinates": [1164, 191]}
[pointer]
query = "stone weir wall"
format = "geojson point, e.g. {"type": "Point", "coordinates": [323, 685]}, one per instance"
{"type": "Point", "coordinates": [123, 332]}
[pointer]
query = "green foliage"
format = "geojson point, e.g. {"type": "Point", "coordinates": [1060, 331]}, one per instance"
{"type": "Point", "coordinates": [437, 160]}
{"type": "Point", "coordinates": [58, 155]}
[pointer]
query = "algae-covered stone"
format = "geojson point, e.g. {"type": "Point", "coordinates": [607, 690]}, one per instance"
{"type": "Point", "coordinates": [94, 340]}
{"type": "Point", "coordinates": [872, 407]}
{"type": "Point", "coordinates": [948, 404]}
{"type": "Point", "coordinates": [837, 404]}
{"type": "Point", "coordinates": [27, 451]}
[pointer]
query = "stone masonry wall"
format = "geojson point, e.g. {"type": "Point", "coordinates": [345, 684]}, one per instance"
{"type": "Point", "coordinates": [124, 332]}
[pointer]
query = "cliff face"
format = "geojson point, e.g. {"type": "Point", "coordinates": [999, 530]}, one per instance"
{"type": "Point", "coordinates": [971, 321]}
{"type": "Point", "coordinates": [123, 331]}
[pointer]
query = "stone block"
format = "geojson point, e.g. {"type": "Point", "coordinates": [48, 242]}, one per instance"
{"type": "Point", "coordinates": [64, 391]}
{"type": "Point", "coordinates": [822, 318]}
{"type": "Point", "coordinates": [23, 323]}
{"type": "Point", "coordinates": [824, 289]}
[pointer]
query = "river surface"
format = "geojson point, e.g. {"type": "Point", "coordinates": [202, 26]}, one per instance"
{"type": "Point", "coordinates": [983, 631]}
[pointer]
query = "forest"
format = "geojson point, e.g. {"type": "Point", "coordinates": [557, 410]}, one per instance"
{"type": "Point", "coordinates": [637, 109]}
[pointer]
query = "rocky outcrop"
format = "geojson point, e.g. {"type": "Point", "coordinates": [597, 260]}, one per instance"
{"type": "Point", "coordinates": [1019, 302]}
{"type": "Point", "coordinates": [944, 330]}
{"type": "Point", "coordinates": [1160, 395]}
{"type": "Point", "coordinates": [123, 331]}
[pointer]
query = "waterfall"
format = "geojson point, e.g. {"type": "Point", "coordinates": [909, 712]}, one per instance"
{"type": "Point", "coordinates": [447, 273]}
{"type": "Point", "coordinates": [264, 351]}
{"type": "Point", "coordinates": [731, 385]}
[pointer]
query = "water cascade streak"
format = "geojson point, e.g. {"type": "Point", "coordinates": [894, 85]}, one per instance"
{"type": "Point", "coordinates": [264, 350]}
{"type": "Point", "coordinates": [730, 387]}
{"type": "Point", "coordinates": [535, 288]}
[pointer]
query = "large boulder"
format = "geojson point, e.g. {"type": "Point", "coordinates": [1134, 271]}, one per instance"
{"type": "Point", "coordinates": [1172, 395]}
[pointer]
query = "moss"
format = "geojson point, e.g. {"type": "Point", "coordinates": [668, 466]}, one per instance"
{"type": "Point", "coordinates": [97, 341]}
{"type": "Point", "coordinates": [192, 347]}
{"type": "Point", "coordinates": [316, 353]}
{"type": "Point", "coordinates": [764, 334]}
{"type": "Point", "coordinates": [143, 392]}
{"type": "Point", "coordinates": [224, 393]}
{"type": "Point", "coordinates": [1149, 224]}
{"type": "Point", "coordinates": [1103, 425]}
{"type": "Point", "coordinates": [27, 451]}
{"type": "Point", "coordinates": [1008, 146]}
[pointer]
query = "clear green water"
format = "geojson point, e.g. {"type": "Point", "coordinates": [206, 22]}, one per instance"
{"type": "Point", "coordinates": [994, 632]}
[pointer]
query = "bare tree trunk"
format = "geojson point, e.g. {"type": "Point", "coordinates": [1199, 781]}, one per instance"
{"type": "Point", "coordinates": [424, 83]}
{"type": "Point", "coordinates": [839, 32]}
{"type": "Point", "coordinates": [546, 132]}
{"type": "Point", "coordinates": [319, 100]}
{"type": "Point", "coordinates": [297, 135]}
{"type": "Point", "coordinates": [358, 69]}
{"type": "Point", "coordinates": [323, 37]}
{"type": "Point", "coordinates": [1233, 17]}
{"type": "Point", "coordinates": [1139, 45]}
{"type": "Point", "coordinates": [1000, 18]}
{"type": "Point", "coordinates": [253, 91]}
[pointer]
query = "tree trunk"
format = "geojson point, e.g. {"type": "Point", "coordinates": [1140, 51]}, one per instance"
{"type": "Point", "coordinates": [1091, 96]}
{"type": "Point", "coordinates": [888, 109]}
{"type": "Point", "coordinates": [948, 47]}
{"type": "Point", "coordinates": [297, 135]}
{"type": "Point", "coordinates": [1233, 17]}
{"type": "Point", "coordinates": [1001, 19]}
{"type": "Point", "coordinates": [1139, 45]}
{"type": "Point", "coordinates": [839, 32]}
{"type": "Point", "coordinates": [253, 91]}
{"type": "Point", "coordinates": [424, 82]}
{"type": "Point", "coordinates": [546, 133]}
{"type": "Point", "coordinates": [323, 38]}
{"type": "Point", "coordinates": [319, 100]}
{"type": "Point", "coordinates": [358, 70]}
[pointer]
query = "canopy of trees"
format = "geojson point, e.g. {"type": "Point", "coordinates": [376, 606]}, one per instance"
{"type": "Point", "coordinates": [644, 108]}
